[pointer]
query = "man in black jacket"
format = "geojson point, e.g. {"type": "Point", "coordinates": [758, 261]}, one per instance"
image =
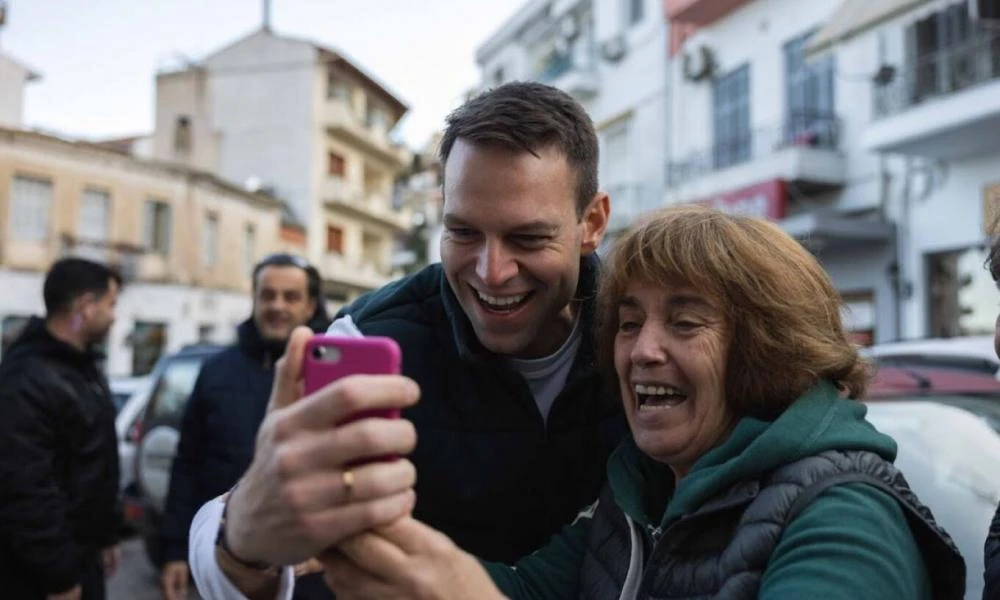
{"type": "Point", "coordinates": [59, 513]}
{"type": "Point", "coordinates": [228, 402]}
{"type": "Point", "coordinates": [513, 425]}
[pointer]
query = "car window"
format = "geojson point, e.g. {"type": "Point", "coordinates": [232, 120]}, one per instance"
{"type": "Point", "coordinates": [173, 387]}
{"type": "Point", "coordinates": [119, 399]}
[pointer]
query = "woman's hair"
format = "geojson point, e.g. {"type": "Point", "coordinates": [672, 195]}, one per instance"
{"type": "Point", "coordinates": [782, 312]}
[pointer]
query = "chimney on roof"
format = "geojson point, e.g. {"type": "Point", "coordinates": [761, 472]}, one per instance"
{"type": "Point", "coordinates": [267, 15]}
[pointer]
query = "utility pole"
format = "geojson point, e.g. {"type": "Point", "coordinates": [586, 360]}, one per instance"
{"type": "Point", "coordinates": [267, 14]}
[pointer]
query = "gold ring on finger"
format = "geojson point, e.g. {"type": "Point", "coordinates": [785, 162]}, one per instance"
{"type": "Point", "coordinates": [348, 478]}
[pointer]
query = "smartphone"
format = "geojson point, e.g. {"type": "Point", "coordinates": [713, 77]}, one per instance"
{"type": "Point", "coordinates": [328, 358]}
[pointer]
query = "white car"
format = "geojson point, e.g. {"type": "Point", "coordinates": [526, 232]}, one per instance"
{"type": "Point", "coordinates": [123, 388]}
{"type": "Point", "coordinates": [950, 456]}
{"type": "Point", "coordinates": [126, 422]}
{"type": "Point", "coordinates": [974, 352]}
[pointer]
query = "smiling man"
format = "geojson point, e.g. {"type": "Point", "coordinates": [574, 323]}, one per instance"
{"type": "Point", "coordinates": [514, 424]}
{"type": "Point", "coordinates": [229, 401]}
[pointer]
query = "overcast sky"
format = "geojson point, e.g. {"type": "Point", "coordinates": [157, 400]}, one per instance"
{"type": "Point", "coordinates": [98, 57]}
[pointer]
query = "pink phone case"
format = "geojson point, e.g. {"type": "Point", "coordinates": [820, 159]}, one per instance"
{"type": "Point", "coordinates": [351, 356]}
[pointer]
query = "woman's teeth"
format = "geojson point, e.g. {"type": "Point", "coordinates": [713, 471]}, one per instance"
{"type": "Point", "coordinates": [658, 396]}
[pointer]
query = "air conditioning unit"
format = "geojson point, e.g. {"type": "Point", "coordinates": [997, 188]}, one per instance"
{"type": "Point", "coordinates": [614, 49]}
{"type": "Point", "coordinates": [699, 64]}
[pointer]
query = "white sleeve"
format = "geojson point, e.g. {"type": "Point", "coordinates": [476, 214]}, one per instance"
{"type": "Point", "coordinates": [344, 327]}
{"type": "Point", "coordinates": [210, 581]}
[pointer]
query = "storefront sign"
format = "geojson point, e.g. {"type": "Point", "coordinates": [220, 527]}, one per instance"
{"type": "Point", "coordinates": [765, 200]}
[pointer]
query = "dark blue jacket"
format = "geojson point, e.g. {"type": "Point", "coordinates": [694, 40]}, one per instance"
{"type": "Point", "coordinates": [491, 474]}
{"type": "Point", "coordinates": [218, 432]}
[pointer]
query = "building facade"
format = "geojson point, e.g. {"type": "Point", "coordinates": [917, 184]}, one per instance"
{"type": "Point", "coordinates": [611, 56]}
{"type": "Point", "coordinates": [933, 102]}
{"type": "Point", "coordinates": [309, 125]}
{"type": "Point", "coordinates": [184, 240]}
{"type": "Point", "coordinates": [759, 128]}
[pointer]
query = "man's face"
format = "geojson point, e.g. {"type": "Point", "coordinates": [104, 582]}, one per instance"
{"type": "Point", "coordinates": [512, 244]}
{"type": "Point", "coordinates": [98, 313]}
{"type": "Point", "coordinates": [281, 302]}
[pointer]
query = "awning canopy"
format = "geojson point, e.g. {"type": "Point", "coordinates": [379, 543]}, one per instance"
{"type": "Point", "coordinates": [854, 17]}
{"type": "Point", "coordinates": [824, 231]}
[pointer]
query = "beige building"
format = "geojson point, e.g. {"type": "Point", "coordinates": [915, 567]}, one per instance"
{"type": "Point", "coordinates": [184, 240]}
{"type": "Point", "coordinates": [307, 124]}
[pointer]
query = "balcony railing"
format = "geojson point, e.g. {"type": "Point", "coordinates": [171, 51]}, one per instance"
{"type": "Point", "coordinates": [805, 130]}
{"type": "Point", "coordinates": [936, 74]}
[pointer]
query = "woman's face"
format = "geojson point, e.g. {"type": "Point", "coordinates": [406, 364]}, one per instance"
{"type": "Point", "coordinates": [670, 356]}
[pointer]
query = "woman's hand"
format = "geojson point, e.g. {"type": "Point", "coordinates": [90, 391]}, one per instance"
{"type": "Point", "coordinates": [405, 560]}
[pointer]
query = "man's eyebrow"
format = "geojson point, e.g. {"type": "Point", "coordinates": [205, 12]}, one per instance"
{"type": "Point", "coordinates": [538, 226]}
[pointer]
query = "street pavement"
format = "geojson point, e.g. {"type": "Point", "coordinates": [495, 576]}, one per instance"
{"type": "Point", "coordinates": [136, 579]}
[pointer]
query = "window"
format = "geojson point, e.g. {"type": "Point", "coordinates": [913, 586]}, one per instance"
{"type": "Point", "coordinates": [809, 96]}
{"type": "Point", "coordinates": [337, 88]}
{"type": "Point", "coordinates": [334, 239]}
{"type": "Point", "coordinates": [210, 240]}
{"type": "Point", "coordinates": [634, 11]}
{"type": "Point", "coordinates": [182, 134]}
{"type": "Point", "coordinates": [960, 293]}
{"type": "Point", "coordinates": [148, 340]}
{"type": "Point", "coordinates": [376, 117]}
{"type": "Point", "coordinates": [94, 212]}
{"type": "Point", "coordinates": [731, 116]}
{"type": "Point", "coordinates": [31, 203]}
{"type": "Point", "coordinates": [173, 388]}
{"type": "Point", "coordinates": [249, 248]}
{"type": "Point", "coordinates": [11, 327]}
{"type": "Point", "coordinates": [156, 227]}
{"type": "Point", "coordinates": [336, 164]}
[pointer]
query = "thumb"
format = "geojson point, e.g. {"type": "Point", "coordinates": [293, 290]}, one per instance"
{"type": "Point", "coordinates": [287, 386]}
{"type": "Point", "coordinates": [412, 536]}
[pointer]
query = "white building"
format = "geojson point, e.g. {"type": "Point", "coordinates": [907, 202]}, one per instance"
{"type": "Point", "coordinates": [755, 128]}
{"type": "Point", "coordinates": [14, 79]}
{"type": "Point", "coordinates": [308, 124]}
{"type": "Point", "coordinates": [610, 55]}
{"type": "Point", "coordinates": [932, 102]}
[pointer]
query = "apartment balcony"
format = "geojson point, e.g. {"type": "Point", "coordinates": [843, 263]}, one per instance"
{"type": "Point", "coordinates": [804, 150]}
{"type": "Point", "coordinates": [945, 105]}
{"type": "Point", "coordinates": [699, 12]}
{"type": "Point", "coordinates": [353, 274]}
{"type": "Point", "coordinates": [341, 196]}
{"type": "Point", "coordinates": [341, 120]}
{"type": "Point", "coordinates": [569, 74]}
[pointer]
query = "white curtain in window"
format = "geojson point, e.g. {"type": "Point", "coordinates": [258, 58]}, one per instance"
{"type": "Point", "coordinates": [31, 203]}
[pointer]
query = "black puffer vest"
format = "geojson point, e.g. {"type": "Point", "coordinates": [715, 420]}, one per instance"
{"type": "Point", "coordinates": [721, 550]}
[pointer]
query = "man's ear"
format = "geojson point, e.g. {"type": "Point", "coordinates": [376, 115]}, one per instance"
{"type": "Point", "coordinates": [595, 223]}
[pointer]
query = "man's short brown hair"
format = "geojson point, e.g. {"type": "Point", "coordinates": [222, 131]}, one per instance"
{"type": "Point", "coordinates": [781, 310]}
{"type": "Point", "coordinates": [528, 117]}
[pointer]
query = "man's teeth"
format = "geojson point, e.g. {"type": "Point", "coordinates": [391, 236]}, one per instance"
{"type": "Point", "coordinates": [501, 300]}
{"type": "Point", "coordinates": [657, 390]}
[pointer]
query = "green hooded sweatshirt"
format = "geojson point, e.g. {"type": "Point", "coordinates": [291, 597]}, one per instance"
{"type": "Point", "coordinates": [852, 541]}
